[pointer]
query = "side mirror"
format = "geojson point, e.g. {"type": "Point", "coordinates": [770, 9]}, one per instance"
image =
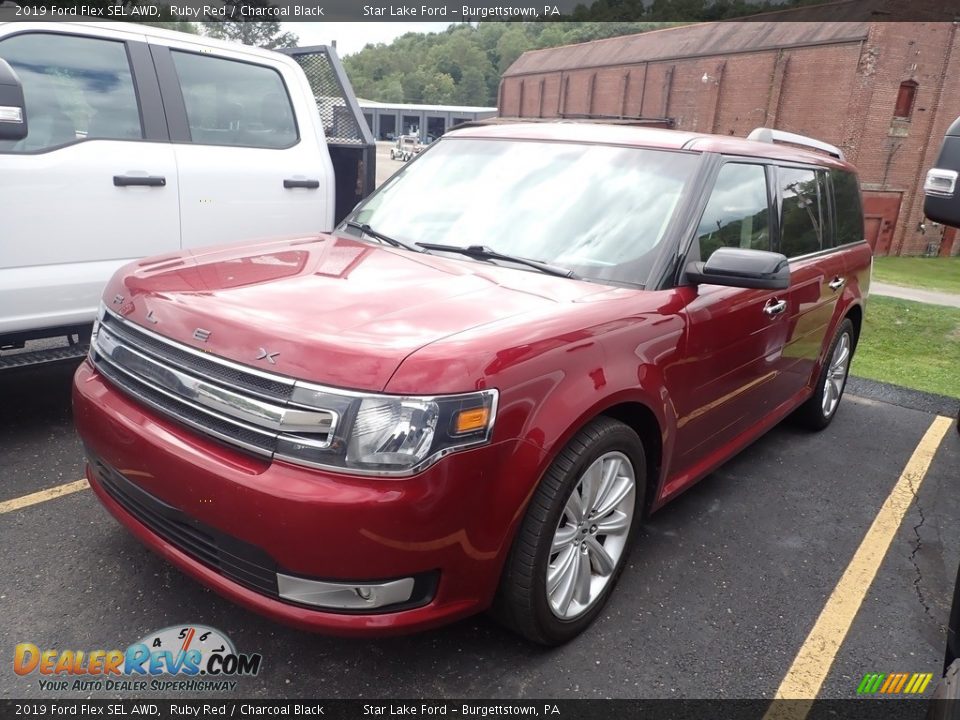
{"type": "Point", "coordinates": [13, 111]}
{"type": "Point", "coordinates": [743, 268]}
{"type": "Point", "coordinates": [942, 201]}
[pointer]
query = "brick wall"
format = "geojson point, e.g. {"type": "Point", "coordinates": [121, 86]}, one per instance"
{"type": "Point", "coordinates": [896, 154]}
{"type": "Point", "coordinates": [843, 93]}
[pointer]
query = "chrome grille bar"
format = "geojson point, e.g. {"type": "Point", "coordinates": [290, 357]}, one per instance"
{"type": "Point", "coordinates": [242, 407]}
{"type": "Point", "coordinates": [208, 395]}
{"type": "Point", "coordinates": [207, 423]}
{"type": "Point", "coordinates": [218, 370]}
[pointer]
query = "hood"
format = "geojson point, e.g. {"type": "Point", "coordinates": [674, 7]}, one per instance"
{"type": "Point", "coordinates": [326, 309]}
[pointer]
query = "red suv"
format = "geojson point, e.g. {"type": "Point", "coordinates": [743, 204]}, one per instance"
{"type": "Point", "coordinates": [469, 394]}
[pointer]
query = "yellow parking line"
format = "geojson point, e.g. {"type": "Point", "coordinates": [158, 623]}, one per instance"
{"type": "Point", "coordinates": [42, 496]}
{"type": "Point", "coordinates": [811, 665]}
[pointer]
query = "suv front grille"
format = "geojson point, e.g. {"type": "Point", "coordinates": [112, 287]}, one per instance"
{"type": "Point", "coordinates": [221, 428]}
{"type": "Point", "coordinates": [241, 407]}
{"type": "Point", "coordinates": [276, 389]}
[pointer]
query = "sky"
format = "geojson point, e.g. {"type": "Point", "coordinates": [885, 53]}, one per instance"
{"type": "Point", "coordinates": [352, 36]}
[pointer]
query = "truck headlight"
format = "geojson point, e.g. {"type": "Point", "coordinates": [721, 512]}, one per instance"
{"type": "Point", "coordinates": [390, 434]}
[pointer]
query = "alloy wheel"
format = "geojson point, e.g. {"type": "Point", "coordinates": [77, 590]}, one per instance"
{"type": "Point", "coordinates": [836, 375]}
{"type": "Point", "coordinates": [591, 535]}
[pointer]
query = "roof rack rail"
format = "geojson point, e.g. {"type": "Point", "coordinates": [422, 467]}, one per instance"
{"type": "Point", "coordinates": [667, 122]}
{"type": "Point", "coordinates": [769, 135]}
{"type": "Point", "coordinates": [570, 118]}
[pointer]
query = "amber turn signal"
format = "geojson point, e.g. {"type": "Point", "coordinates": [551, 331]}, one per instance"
{"type": "Point", "coordinates": [471, 420]}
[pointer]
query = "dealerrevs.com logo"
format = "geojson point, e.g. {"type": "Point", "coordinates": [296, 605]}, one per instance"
{"type": "Point", "coordinates": [178, 658]}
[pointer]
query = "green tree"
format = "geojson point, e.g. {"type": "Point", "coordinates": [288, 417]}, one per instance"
{"type": "Point", "coordinates": [419, 67]}
{"type": "Point", "coordinates": [247, 27]}
{"type": "Point", "coordinates": [168, 21]}
{"type": "Point", "coordinates": [179, 26]}
{"type": "Point", "coordinates": [512, 44]}
{"type": "Point", "coordinates": [439, 89]}
{"type": "Point", "coordinates": [391, 91]}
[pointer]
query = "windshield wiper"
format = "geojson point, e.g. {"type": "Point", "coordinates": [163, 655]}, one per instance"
{"type": "Point", "coordinates": [367, 230]}
{"type": "Point", "coordinates": [482, 252]}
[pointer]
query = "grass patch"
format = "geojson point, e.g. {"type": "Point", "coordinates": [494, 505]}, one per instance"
{"type": "Point", "coordinates": [917, 272]}
{"type": "Point", "coordinates": [910, 344]}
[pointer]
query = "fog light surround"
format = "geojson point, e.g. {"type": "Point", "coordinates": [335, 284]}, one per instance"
{"type": "Point", "coordinates": [345, 596]}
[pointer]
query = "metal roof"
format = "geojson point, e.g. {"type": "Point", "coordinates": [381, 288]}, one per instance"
{"type": "Point", "coordinates": [701, 40]}
{"type": "Point", "coordinates": [644, 137]}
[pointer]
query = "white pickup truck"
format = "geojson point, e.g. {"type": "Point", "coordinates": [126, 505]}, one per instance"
{"type": "Point", "coordinates": [135, 141]}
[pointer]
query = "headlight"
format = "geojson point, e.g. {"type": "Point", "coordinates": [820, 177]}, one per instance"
{"type": "Point", "coordinates": [391, 431]}
{"type": "Point", "coordinates": [390, 434]}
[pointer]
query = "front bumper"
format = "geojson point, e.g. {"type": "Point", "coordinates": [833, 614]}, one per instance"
{"type": "Point", "coordinates": [233, 521]}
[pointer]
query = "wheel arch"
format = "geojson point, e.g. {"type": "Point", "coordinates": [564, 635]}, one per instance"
{"type": "Point", "coordinates": [631, 407]}
{"type": "Point", "coordinates": [642, 420]}
{"type": "Point", "coordinates": [855, 315]}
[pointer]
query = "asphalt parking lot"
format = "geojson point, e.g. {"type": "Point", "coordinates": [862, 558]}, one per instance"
{"type": "Point", "coordinates": [385, 166]}
{"type": "Point", "coordinates": [720, 593]}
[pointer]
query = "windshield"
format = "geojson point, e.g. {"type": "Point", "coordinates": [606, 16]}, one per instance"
{"type": "Point", "coordinates": [598, 210]}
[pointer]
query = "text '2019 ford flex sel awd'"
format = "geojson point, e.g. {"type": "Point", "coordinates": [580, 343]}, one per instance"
{"type": "Point", "coordinates": [470, 393]}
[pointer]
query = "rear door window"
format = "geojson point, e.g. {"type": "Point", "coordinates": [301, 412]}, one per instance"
{"type": "Point", "coordinates": [804, 217]}
{"type": "Point", "coordinates": [235, 103]}
{"type": "Point", "coordinates": [75, 88]}
{"type": "Point", "coordinates": [738, 212]}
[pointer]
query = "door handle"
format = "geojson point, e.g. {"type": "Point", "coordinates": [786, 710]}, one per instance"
{"type": "Point", "coordinates": [836, 283]}
{"type": "Point", "coordinates": [775, 307]}
{"type": "Point", "coordinates": [308, 184]}
{"type": "Point", "coordinates": [144, 180]}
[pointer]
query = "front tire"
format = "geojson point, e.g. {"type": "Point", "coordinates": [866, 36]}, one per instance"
{"type": "Point", "coordinates": [817, 412]}
{"type": "Point", "coordinates": [574, 539]}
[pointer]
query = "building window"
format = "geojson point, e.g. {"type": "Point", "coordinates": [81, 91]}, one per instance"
{"type": "Point", "coordinates": [905, 97]}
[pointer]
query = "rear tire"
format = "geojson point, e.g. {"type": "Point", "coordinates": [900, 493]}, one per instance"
{"type": "Point", "coordinates": [573, 542]}
{"type": "Point", "coordinates": [817, 412]}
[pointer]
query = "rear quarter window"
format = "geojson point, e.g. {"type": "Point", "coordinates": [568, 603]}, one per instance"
{"type": "Point", "coordinates": [848, 207]}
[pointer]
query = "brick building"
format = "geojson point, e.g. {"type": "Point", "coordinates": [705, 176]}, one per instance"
{"type": "Point", "coordinates": [885, 92]}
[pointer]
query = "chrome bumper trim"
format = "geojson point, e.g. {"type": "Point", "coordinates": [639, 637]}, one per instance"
{"type": "Point", "coordinates": [345, 596]}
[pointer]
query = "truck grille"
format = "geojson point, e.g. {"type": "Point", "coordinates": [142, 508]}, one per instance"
{"type": "Point", "coordinates": [241, 407]}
